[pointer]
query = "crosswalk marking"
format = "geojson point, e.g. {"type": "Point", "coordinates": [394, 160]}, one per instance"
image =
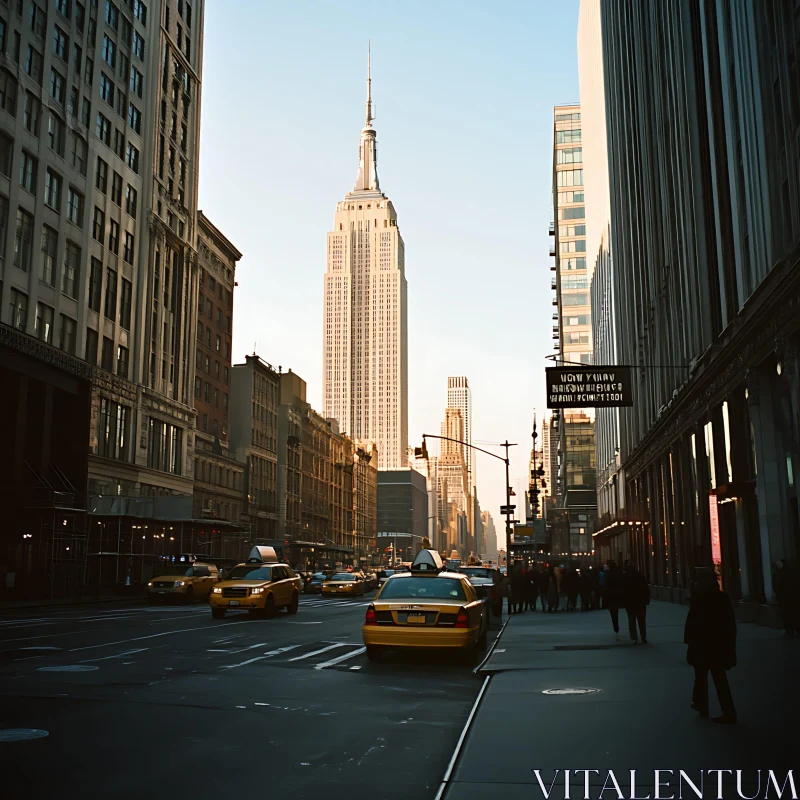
{"type": "Point", "coordinates": [317, 652]}
{"type": "Point", "coordinates": [339, 659]}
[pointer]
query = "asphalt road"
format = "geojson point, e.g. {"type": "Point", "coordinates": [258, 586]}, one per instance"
{"type": "Point", "coordinates": [142, 701]}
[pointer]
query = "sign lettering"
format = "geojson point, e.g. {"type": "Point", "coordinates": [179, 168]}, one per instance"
{"type": "Point", "coordinates": [589, 387]}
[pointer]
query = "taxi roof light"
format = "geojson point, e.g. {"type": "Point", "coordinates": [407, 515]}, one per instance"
{"type": "Point", "coordinates": [427, 561]}
{"type": "Point", "coordinates": [262, 554]}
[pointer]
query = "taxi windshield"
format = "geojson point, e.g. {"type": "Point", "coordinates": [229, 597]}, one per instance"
{"type": "Point", "coordinates": [476, 572]}
{"type": "Point", "coordinates": [342, 576]}
{"type": "Point", "coordinates": [423, 588]}
{"type": "Point", "coordinates": [245, 573]}
{"type": "Point", "coordinates": [181, 570]}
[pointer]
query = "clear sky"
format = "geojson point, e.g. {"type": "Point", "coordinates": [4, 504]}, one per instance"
{"type": "Point", "coordinates": [463, 96]}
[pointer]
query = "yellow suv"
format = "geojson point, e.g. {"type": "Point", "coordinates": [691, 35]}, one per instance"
{"type": "Point", "coordinates": [261, 586]}
{"type": "Point", "coordinates": [185, 578]}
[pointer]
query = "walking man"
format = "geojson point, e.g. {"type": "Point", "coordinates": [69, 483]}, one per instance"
{"type": "Point", "coordinates": [614, 593]}
{"type": "Point", "coordinates": [710, 633]}
{"type": "Point", "coordinates": [637, 598]}
{"type": "Point", "coordinates": [543, 582]}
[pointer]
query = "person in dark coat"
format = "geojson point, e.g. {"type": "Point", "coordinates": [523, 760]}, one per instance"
{"type": "Point", "coordinates": [787, 591]}
{"type": "Point", "coordinates": [532, 589]}
{"type": "Point", "coordinates": [614, 593]}
{"type": "Point", "coordinates": [518, 588]}
{"type": "Point", "coordinates": [543, 584]}
{"type": "Point", "coordinates": [637, 598]}
{"type": "Point", "coordinates": [552, 591]}
{"type": "Point", "coordinates": [571, 585]}
{"type": "Point", "coordinates": [585, 585]}
{"type": "Point", "coordinates": [710, 633]}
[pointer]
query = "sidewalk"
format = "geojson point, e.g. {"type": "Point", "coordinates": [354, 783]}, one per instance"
{"type": "Point", "coordinates": [639, 719]}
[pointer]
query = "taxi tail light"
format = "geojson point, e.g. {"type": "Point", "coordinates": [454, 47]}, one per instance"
{"type": "Point", "coordinates": [463, 620]}
{"type": "Point", "coordinates": [371, 618]}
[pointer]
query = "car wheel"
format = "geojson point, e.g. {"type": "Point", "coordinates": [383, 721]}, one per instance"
{"type": "Point", "coordinates": [218, 613]}
{"type": "Point", "coordinates": [483, 640]}
{"type": "Point", "coordinates": [294, 605]}
{"type": "Point", "coordinates": [269, 607]}
{"type": "Point", "coordinates": [374, 652]}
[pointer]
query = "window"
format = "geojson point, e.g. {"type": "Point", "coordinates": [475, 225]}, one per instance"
{"type": "Point", "coordinates": [127, 251]}
{"type": "Point", "coordinates": [569, 155]}
{"type": "Point", "coordinates": [55, 133]}
{"type": "Point", "coordinates": [80, 16]}
{"type": "Point", "coordinates": [99, 225]}
{"type": "Point", "coordinates": [2, 35]}
{"type": "Point", "coordinates": [79, 154]}
{"type": "Point", "coordinates": [86, 111]}
{"type": "Point", "coordinates": [72, 267]}
{"type": "Point", "coordinates": [75, 207]}
{"type": "Point", "coordinates": [206, 391]}
{"type": "Point", "coordinates": [47, 273]}
{"type": "Point", "coordinates": [36, 19]}
{"type": "Point", "coordinates": [225, 375]}
{"type": "Point", "coordinates": [101, 175]}
{"type": "Point", "coordinates": [27, 172]}
{"type": "Point", "coordinates": [3, 225]}
{"type": "Point", "coordinates": [6, 154]}
{"type": "Point", "coordinates": [8, 92]}
{"type": "Point", "coordinates": [125, 304]}
{"type": "Point", "coordinates": [119, 143]}
{"type": "Point", "coordinates": [60, 43]}
{"type": "Point", "coordinates": [110, 309]}
{"type": "Point", "coordinates": [140, 11]}
{"type": "Point", "coordinates": [91, 346]}
{"type": "Point", "coordinates": [577, 212]}
{"type": "Point", "coordinates": [109, 51]}
{"type": "Point", "coordinates": [124, 66]}
{"type": "Point", "coordinates": [112, 15]}
{"type": "Point", "coordinates": [113, 236]}
{"type": "Point", "coordinates": [92, 31]}
{"type": "Point", "coordinates": [122, 361]}
{"type": "Point", "coordinates": [116, 189]}
{"type": "Point", "coordinates": [136, 81]}
{"type": "Point", "coordinates": [103, 129]}
{"type": "Point", "coordinates": [138, 46]}
{"type": "Point", "coordinates": [119, 103]}
{"type": "Point", "coordinates": [44, 323]}
{"type": "Point", "coordinates": [564, 137]}
{"type": "Point", "coordinates": [19, 310]}
{"type": "Point", "coordinates": [77, 57]}
{"type": "Point", "coordinates": [570, 177]}
{"type": "Point", "coordinates": [132, 158]}
{"type": "Point", "coordinates": [219, 344]}
{"type": "Point", "coordinates": [164, 447]}
{"type": "Point", "coordinates": [95, 283]}
{"type": "Point", "coordinates": [69, 333]}
{"type": "Point", "coordinates": [88, 73]}
{"type": "Point", "coordinates": [135, 118]}
{"type": "Point", "coordinates": [30, 114]}
{"type": "Point", "coordinates": [62, 6]}
{"type": "Point", "coordinates": [52, 190]}
{"type": "Point", "coordinates": [130, 200]}
{"type": "Point", "coordinates": [106, 88]}
{"type": "Point", "coordinates": [112, 436]}
{"type": "Point", "coordinates": [33, 64]}
{"type": "Point", "coordinates": [575, 300]}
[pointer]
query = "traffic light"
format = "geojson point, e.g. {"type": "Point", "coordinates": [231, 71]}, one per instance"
{"type": "Point", "coordinates": [421, 452]}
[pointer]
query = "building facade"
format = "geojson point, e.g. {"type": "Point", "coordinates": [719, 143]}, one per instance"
{"type": "Point", "coordinates": [365, 328]}
{"type": "Point", "coordinates": [255, 392]}
{"type": "Point", "coordinates": [402, 513]}
{"type": "Point", "coordinates": [705, 227]}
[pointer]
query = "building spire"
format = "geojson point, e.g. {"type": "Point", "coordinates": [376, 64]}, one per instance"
{"type": "Point", "coordinates": [367, 180]}
{"type": "Point", "coordinates": [369, 86]}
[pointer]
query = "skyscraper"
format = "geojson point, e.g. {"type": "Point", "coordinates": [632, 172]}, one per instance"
{"type": "Point", "coordinates": [459, 396]}
{"type": "Point", "coordinates": [365, 352]}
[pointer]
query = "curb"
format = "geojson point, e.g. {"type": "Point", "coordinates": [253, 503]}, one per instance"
{"type": "Point", "coordinates": [491, 649]}
{"type": "Point", "coordinates": [84, 602]}
{"type": "Point", "coordinates": [446, 779]}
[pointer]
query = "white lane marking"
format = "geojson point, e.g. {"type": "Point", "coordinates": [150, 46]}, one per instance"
{"type": "Point", "coordinates": [317, 652]}
{"type": "Point", "coordinates": [155, 635]}
{"type": "Point", "coordinates": [268, 654]}
{"type": "Point", "coordinates": [217, 651]}
{"type": "Point", "coordinates": [303, 623]}
{"type": "Point", "coordinates": [243, 664]}
{"type": "Point", "coordinates": [69, 668]}
{"type": "Point", "coordinates": [355, 668]}
{"type": "Point", "coordinates": [339, 660]}
{"type": "Point", "coordinates": [116, 655]}
{"type": "Point", "coordinates": [280, 650]}
{"type": "Point", "coordinates": [253, 646]}
{"type": "Point", "coordinates": [40, 647]}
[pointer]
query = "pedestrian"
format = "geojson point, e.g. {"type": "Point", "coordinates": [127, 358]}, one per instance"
{"type": "Point", "coordinates": [518, 588]}
{"type": "Point", "coordinates": [552, 591]}
{"type": "Point", "coordinates": [532, 588]}
{"type": "Point", "coordinates": [637, 598]}
{"type": "Point", "coordinates": [787, 591]}
{"type": "Point", "coordinates": [601, 588]}
{"type": "Point", "coordinates": [543, 583]}
{"type": "Point", "coordinates": [571, 584]}
{"type": "Point", "coordinates": [614, 593]}
{"type": "Point", "coordinates": [505, 591]}
{"type": "Point", "coordinates": [585, 587]}
{"type": "Point", "coordinates": [710, 633]}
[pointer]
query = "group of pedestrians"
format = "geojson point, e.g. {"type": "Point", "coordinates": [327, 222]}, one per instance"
{"type": "Point", "coordinates": [527, 588]}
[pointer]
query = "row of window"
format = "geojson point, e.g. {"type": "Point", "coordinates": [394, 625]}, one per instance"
{"type": "Point", "coordinates": [203, 389]}
{"type": "Point", "coordinates": [570, 177]}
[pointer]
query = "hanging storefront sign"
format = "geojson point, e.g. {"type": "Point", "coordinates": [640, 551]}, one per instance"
{"type": "Point", "coordinates": [713, 509]}
{"type": "Point", "coordinates": [589, 387]}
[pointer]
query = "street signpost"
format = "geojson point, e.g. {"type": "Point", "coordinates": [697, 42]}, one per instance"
{"type": "Point", "coordinates": [507, 509]}
{"type": "Point", "coordinates": [589, 387]}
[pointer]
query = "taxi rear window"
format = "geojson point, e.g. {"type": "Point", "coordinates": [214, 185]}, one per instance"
{"type": "Point", "coordinates": [243, 573]}
{"type": "Point", "coordinates": [423, 588]}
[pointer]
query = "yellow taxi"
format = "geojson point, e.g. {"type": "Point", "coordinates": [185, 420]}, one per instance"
{"type": "Point", "coordinates": [184, 578]}
{"type": "Point", "coordinates": [261, 586]}
{"type": "Point", "coordinates": [426, 607]}
{"type": "Point", "coordinates": [347, 584]}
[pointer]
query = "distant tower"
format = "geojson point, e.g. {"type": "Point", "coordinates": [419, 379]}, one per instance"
{"type": "Point", "coordinates": [365, 330]}
{"type": "Point", "coordinates": [459, 396]}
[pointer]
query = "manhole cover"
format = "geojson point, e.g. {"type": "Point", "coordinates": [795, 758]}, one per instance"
{"type": "Point", "coordinates": [21, 734]}
{"type": "Point", "coordinates": [581, 647]}
{"type": "Point", "coordinates": [575, 690]}
{"type": "Point", "coordinates": [69, 668]}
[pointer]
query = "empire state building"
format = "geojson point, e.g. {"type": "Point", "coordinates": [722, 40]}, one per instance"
{"type": "Point", "coordinates": [365, 370]}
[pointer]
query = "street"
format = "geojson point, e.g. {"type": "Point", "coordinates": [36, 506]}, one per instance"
{"type": "Point", "coordinates": [140, 699]}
